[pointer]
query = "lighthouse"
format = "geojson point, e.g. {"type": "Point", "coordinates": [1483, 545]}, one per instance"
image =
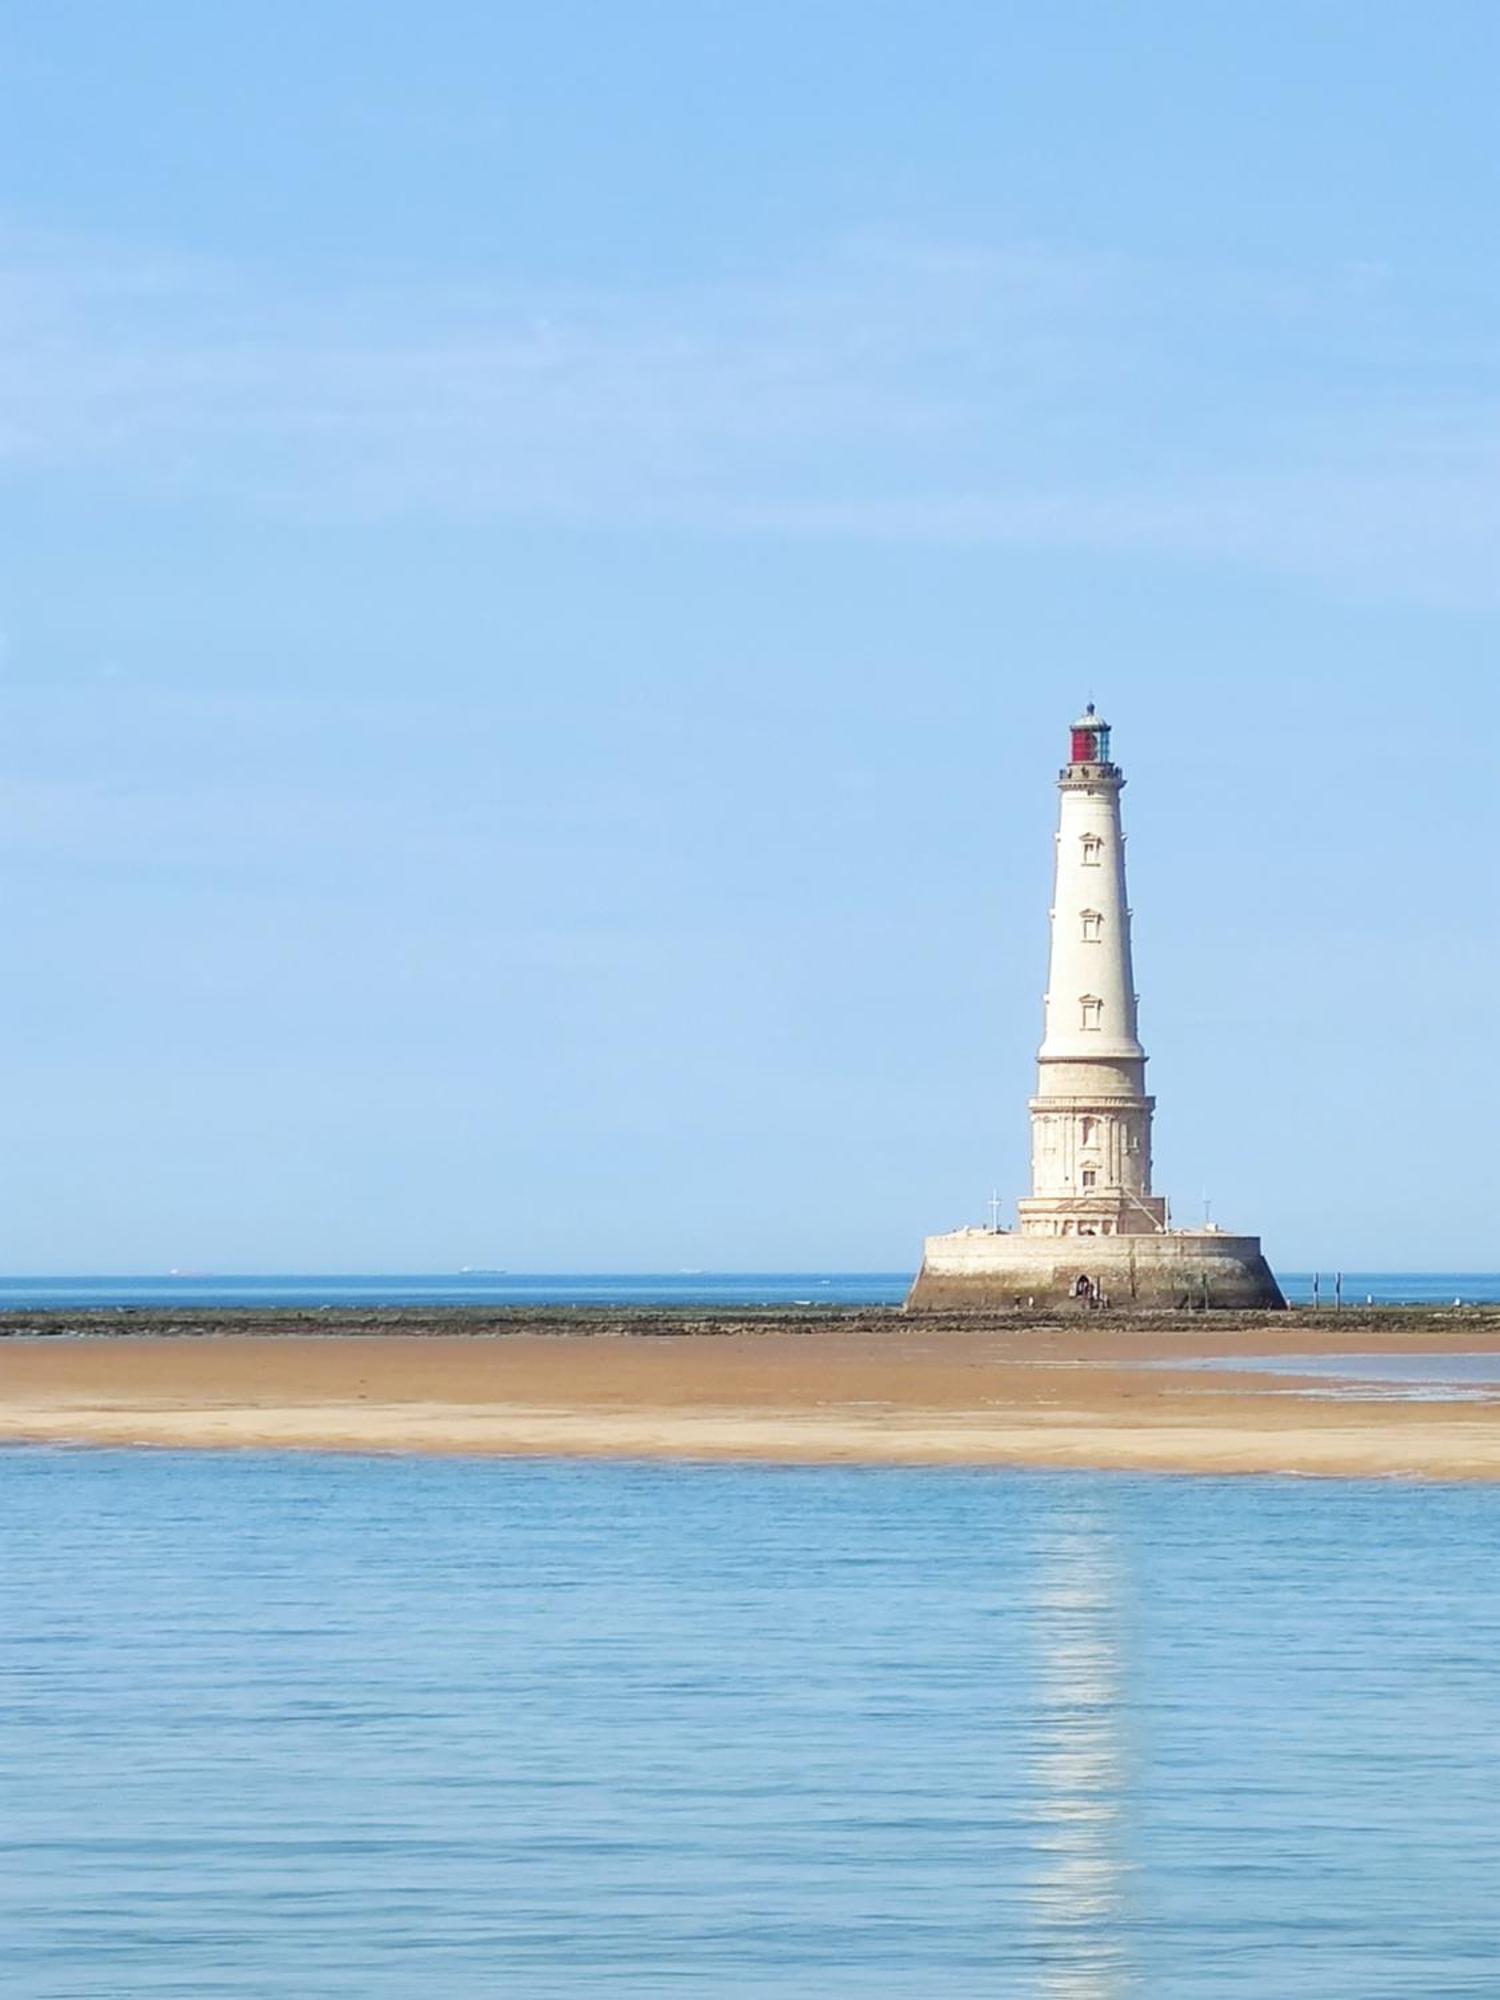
{"type": "Point", "coordinates": [1092, 1232]}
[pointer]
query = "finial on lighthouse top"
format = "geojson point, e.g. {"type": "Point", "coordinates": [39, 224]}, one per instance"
{"type": "Point", "coordinates": [1090, 734]}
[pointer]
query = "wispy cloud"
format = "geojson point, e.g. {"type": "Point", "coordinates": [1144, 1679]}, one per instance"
{"type": "Point", "coordinates": [1326, 424]}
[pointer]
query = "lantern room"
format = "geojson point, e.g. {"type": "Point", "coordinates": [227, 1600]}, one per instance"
{"type": "Point", "coordinates": [1090, 739]}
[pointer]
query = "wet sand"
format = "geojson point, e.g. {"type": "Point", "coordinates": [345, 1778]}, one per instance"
{"type": "Point", "coordinates": [856, 1387]}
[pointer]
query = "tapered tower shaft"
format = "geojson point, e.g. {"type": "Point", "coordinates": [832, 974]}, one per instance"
{"type": "Point", "coordinates": [1091, 1116]}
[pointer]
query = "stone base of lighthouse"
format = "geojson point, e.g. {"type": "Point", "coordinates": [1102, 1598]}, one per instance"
{"type": "Point", "coordinates": [1177, 1270]}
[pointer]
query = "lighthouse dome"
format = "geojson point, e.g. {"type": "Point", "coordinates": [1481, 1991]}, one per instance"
{"type": "Point", "coordinates": [1089, 739]}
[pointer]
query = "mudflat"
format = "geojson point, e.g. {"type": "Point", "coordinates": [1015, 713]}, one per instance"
{"type": "Point", "coordinates": [857, 1386]}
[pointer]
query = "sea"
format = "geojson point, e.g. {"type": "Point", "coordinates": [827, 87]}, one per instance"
{"type": "Point", "coordinates": [305, 1726]}
{"type": "Point", "coordinates": [670, 1288]}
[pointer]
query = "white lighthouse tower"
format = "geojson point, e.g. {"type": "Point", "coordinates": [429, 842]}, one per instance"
{"type": "Point", "coordinates": [1091, 1117]}
{"type": "Point", "coordinates": [1091, 1231]}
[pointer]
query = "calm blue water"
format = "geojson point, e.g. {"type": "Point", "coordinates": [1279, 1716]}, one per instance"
{"type": "Point", "coordinates": [683, 1288]}
{"type": "Point", "coordinates": [319, 1728]}
{"type": "Point", "coordinates": [1413, 1377]}
{"type": "Point", "coordinates": [482, 1288]}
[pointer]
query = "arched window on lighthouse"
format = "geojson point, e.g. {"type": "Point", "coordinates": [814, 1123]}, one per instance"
{"type": "Point", "coordinates": [1093, 926]}
{"type": "Point", "coordinates": [1092, 1011]}
{"type": "Point", "coordinates": [1093, 850]}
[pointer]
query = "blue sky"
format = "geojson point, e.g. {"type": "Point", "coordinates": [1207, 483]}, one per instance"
{"type": "Point", "coordinates": [545, 556]}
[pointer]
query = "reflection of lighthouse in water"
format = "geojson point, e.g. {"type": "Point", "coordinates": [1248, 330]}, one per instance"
{"type": "Point", "coordinates": [1077, 1768]}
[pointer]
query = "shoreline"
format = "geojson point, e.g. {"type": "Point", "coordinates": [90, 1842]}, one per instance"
{"type": "Point", "coordinates": [837, 1386]}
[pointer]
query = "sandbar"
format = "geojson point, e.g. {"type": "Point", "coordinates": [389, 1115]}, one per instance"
{"type": "Point", "coordinates": [855, 1387]}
